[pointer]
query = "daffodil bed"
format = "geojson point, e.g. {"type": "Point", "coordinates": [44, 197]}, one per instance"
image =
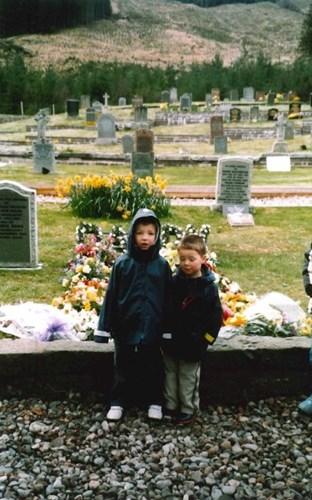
{"type": "Point", "coordinates": [74, 314]}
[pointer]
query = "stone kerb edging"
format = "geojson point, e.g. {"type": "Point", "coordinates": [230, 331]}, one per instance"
{"type": "Point", "coordinates": [235, 370]}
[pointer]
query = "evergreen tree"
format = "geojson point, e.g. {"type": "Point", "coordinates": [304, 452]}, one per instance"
{"type": "Point", "coordinates": [305, 43]}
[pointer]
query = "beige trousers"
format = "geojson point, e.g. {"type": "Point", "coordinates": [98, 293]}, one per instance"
{"type": "Point", "coordinates": [181, 388]}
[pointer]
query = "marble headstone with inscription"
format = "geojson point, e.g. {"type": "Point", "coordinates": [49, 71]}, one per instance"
{"type": "Point", "coordinates": [18, 227]}
{"type": "Point", "coordinates": [233, 184]}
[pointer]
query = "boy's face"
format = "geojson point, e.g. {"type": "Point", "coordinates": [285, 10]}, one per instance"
{"type": "Point", "coordinates": [190, 262]}
{"type": "Point", "coordinates": [144, 236]}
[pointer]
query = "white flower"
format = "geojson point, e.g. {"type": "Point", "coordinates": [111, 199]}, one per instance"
{"type": "Point", "coordinates": [86, 269]}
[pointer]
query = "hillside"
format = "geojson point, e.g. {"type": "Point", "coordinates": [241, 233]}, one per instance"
{"type": "Point", "coordinates": [162, 32]}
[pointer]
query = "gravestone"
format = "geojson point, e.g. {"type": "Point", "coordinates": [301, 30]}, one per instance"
{"type": "Point", "coordinates": [234, 95]}
{"type": "Point", "coordinates": [165, 96]}
{"type": "Point", "coordinates": [233, 185]}
{"type": "Point", "coordinates": [72, 108]}
{"type": "Point", "coordinates": [98, 106]}
{"type": "Point", "coordinates": [42, 148]}
{"type": "Point", "coordinates": [106, 129]}
{"type": "Point", "coordinates": [144, 141]}
{"type": "Point", "coordinates": [271, 98]}
{"type": "Point", "coordinates": [185, 102]}
{"type": "Point", "coordinates": [272, 114]}
{"type": "Point", "coordinates": [278, 162]}
{"type": "Point", "coordinates": [208, 99]}
{"type": "Point", "coordinates": [260, 95]}
{"type": "Point", "coordinates": [90, 117]}
{"type": "Point", "coordinates": [216, 127]}
{"type": "Point", "coordinates": [248, 94]}
{"type": "Point", "coordinates": [254, 114]}
{"type": "Point", "coordinates": [173, 95]}
{"type": "Point", "coordinates": [294, 108]}
{"type": "Point", "coordinates": [235, 115]}
{"type": "Point", "coordinates": [127, 144]}
{"type": "Point", "coordinates": [220, 145]}
{"type": "Point", "coordinates": [85, 101]}
{"type": "Point", "coordinates": [137, 101]}
{"type": "Point", "coordinates": [122, 101]}
{"type": "Point", "coordinates": [18, 227]}
{"type": "Point", "coordinates": [280, 146]}
{"type": "Point", "coordinates": [142, 159]}
{"type": "Point", "coordinates": [106, 97]}
{"type": "Point", "coordinates": [215, 95]}
{"type": "Point", "coordinates": [140, 115]}
{"type": "Point", "coordinates": [289, 131]}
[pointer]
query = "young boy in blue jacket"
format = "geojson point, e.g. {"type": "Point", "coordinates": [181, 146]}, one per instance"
{"type": "Point", "coordinates": [196, 320]}
{"type": "Point", "coordinates": [133, 314]}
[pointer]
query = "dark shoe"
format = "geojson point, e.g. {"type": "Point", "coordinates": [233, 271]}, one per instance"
{"type": "Point", "coordinates": [184, 419]}
{"type": "Point", "coordinates": [170, 415]}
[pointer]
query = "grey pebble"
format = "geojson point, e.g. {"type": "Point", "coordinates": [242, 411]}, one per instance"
{"type": "Point", "coordinates": [261, 450]}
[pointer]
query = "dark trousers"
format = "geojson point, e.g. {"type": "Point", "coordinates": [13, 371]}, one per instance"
{"type": "Point", "coordinates": [138, 376]}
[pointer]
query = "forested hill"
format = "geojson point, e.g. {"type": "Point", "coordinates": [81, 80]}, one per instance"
{"type": "Point", "coordinates": [169, 32]}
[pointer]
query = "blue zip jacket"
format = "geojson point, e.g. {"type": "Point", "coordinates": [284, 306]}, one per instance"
{"type": "Point", "coordinates": [135, 303]}
{"type": "Point", "coordinates": [196, 315]}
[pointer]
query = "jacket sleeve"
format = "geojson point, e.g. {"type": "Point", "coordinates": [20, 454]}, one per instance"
{"type": "Point", "coordinates": [166, 324]}
{"type": "Point", "coordinates": [108, 310]}
{"type": "Point", "coordinates": [307, 271]}
{"type": "Point", "coordinates": [215, 315]}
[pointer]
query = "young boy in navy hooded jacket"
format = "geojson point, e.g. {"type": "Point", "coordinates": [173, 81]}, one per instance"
{"type": "Point", "coordinates": [133, 314]}
{"type": "Point", "coordinates": [196, 320]}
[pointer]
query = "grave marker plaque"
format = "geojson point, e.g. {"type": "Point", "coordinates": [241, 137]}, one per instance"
{"type": "Point", "coordinates": [18, 227]}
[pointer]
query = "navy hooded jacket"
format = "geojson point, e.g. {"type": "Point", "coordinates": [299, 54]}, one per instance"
{"type": "Point", "coordinates": [135, 303]}
{"type": "Point", "coordinates": [196, 316]}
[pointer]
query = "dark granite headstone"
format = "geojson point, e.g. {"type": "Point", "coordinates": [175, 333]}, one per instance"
{"type": "Point", "coordinates": [235, 115]}
{"type": "Point", "coordinates": [72, 108]}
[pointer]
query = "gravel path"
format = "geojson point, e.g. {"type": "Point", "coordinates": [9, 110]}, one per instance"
{"type": "Point", "coordinates": [67, 450]}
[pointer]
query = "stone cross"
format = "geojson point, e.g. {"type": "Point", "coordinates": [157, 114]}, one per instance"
{"type": "Point", "coordinates": [42, 120]}
{"type": "Point", "coordinates": [106, 97]}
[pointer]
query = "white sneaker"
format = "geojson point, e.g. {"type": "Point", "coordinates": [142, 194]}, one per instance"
{"type": "Point", "coordinates": [114, 413]}
{"type": "Point", "coordinates": [155, 412]}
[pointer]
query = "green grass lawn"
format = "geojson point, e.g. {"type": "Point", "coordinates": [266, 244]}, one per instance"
{"type": "Point", "coordinates": [182, 174]}
{"type": "Point", "coordinates": [266, 257]}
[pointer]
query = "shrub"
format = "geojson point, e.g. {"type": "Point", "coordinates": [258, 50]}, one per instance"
{"type": "Point", "coordinates": [114, 196]}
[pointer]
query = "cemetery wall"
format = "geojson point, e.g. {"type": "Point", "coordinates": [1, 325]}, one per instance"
{"type": "Point", "coordinates": [236, 370]}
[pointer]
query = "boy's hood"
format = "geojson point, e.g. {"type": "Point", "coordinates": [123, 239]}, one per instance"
{"type": "Point", "coordinates": [144, 213]}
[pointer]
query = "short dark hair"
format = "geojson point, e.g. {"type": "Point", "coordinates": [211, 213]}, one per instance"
{"type": "Point", "coordinates": [193, 242]}
{"type": "Point", "coordinates": [145, 221]}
